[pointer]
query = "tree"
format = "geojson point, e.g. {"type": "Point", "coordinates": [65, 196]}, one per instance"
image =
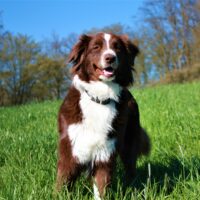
{"type": "Point", "coordinates": [58, 48]}
{"type": "Point", "coordinates": [17, 53]}
{"type": "Point", "coordinates": [117, 28]}
{"type": "Point", "coordinates": [53, 64]}
{"type": "Point", "coordinates": [196, 34]}
{"type": "Point", "coordinates": [52, 78]}
{"type": "Point", "coordinates": [171, 26]}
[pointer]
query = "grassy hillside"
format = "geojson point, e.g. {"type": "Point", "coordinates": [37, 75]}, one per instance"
{"type": "Point", "coordinates": [171, 115]}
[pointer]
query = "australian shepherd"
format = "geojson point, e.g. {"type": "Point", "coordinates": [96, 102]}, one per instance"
{"type": "Point", "coordinates": [99, 118]}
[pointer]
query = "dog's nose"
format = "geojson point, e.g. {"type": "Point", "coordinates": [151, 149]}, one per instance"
{"type": "Point", "coordinates": [109, 58]}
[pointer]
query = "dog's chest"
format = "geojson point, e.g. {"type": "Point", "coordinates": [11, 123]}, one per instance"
{"type": "Point", "coordinates": [89, 138]}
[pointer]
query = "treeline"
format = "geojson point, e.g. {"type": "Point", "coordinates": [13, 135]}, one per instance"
{"type": "Point", "coordinates": [30, 70]}
{"type": "Point", "coordinates": [167, 34]}
{"type": "Point", "coordinates": [170, 42]}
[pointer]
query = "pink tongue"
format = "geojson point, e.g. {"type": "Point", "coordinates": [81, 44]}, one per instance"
{"type": "Point", "coordinates": [107, 73]}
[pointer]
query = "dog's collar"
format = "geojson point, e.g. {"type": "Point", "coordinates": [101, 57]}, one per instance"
{"type": "Point", "coordinates": [97, 100]}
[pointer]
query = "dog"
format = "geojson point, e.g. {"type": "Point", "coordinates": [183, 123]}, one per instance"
{"type": "Point", "coordinates": [99, 118]}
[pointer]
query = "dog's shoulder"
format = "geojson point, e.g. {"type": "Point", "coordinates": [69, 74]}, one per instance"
{"type": "Point", "coordinates": [70, 110]}
{"type": "Point", "coordinates": [127, 98]}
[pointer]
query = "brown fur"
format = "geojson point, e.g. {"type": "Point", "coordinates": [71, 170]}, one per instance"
{"type": "Point", "coordinates": [132, 140]}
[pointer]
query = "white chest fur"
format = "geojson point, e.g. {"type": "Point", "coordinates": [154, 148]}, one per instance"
{"type": "Point", "coordinates": [89, 138]}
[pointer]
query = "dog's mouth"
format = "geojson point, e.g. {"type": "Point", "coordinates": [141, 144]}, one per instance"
{"type": "Point", "coordinates": [108, 72]}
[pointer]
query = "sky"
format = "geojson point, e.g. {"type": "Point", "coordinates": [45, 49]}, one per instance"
{"type": "Point", "coordinates": [41, 18]}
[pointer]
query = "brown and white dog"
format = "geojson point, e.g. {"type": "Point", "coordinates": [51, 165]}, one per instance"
{"type": "Point", "coordinates": [99, 118]}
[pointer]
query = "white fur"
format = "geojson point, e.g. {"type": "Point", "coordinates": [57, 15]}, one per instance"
{"type": "Point", "coordinates": [89, 138]}
{"type": "Point", "coordinates": [108, 50]}
{"type": "Point", "coordinates": [106, 79]}
{"type": "Point", "coordinates": [107, 39]}
{"type": "Point", "coordinates": [96, 192]}
{"type": "Point", "coordinates": [102, 90]}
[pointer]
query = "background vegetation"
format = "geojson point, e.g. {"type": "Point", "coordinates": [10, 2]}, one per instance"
{"type": "Point", "coordinates": [168, 38]}
{"type": "Point", "coordinates": [171, 115]}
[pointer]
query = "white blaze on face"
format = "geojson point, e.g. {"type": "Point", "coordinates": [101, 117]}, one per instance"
{"type": "Point", "coordinates": [107, 39]}
{"type": "Point", "coordinates": [108, 50]}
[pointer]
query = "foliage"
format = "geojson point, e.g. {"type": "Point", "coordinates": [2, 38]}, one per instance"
{"type": "Point", "coordinates": [17, 54]}
{"type": "Point", "coordinates": [170, 114]}
{"type": "Point", "coordinates": [27, 74]}
{"type": "Point", "coordinates": [167, 35]}
{"type": "Point", "coordinates": [182, 75]}
{"type": "Point", "coordinates": [117, 28]}
{"type": "Point", "coordinates": [51, 78]}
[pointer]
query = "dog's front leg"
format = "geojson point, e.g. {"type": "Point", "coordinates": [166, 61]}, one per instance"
{"type": "Point", "coordinates": [102, 179]}
{"type": "Point", "coordinates": [102, 174]}
{"type": "Point", "coordinates": [68, 169]}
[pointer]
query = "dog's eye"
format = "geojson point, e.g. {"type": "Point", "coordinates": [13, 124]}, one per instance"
{"type": "Point", "coordinates": [116, 46]}
{"type": "Point", "coordinates": [96, 47]}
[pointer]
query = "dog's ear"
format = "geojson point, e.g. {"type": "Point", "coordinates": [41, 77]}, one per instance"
{"type": "Point", "coordinates": [131, 47]}
{"type": "Point", "coordinates": [77, 53]}
{"type": "Point", "coordinates": [131, 52]}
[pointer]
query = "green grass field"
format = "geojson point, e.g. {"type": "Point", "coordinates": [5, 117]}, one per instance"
{"type": "Point", "coordinates": [171, 115]}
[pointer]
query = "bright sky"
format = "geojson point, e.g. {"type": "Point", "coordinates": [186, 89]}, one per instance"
{"type": "Point", "coordinates": [40, 18]}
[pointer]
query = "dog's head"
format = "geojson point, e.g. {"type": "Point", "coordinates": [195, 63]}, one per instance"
{"type": "Point", "coordinates": [105, 57]}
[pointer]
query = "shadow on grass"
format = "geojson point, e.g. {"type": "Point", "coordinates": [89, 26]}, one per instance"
{"type": "Point", "coordinates": [161, 175]}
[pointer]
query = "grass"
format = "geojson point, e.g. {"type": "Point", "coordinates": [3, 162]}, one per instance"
{"type": "Point", "coordinates": [171, 115]}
